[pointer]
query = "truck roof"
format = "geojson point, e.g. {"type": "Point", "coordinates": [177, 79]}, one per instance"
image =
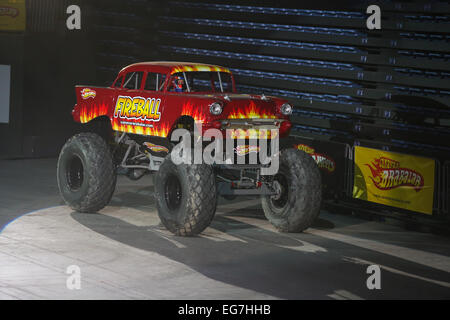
{"type": "Point", "coordinates": [172, 67]}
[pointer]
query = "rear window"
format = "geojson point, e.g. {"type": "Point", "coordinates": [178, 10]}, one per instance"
{"type": "Point", "coordinates": [133, 80]}
{"type": "Point", "coordinates": [118, 82]}
{"type": "Point", "coordinates": [154, 81]}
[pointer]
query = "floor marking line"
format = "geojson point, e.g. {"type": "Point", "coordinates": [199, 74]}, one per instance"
{"type": "Point", "coordinates": [431, 260]}
{"type": "Point", "coordinates": [174, 242]}
{"type": "Point", "coordinates": [217, 235]}
{"type": "Point", "coordinates": [336, 297]}
{"type": "Point", "coordinates": [348, 295]}
{"type": "Point", "coordinates": [393, 270]}
{"type": "Point", "coordinates": [304, 247]}
{"type": "Point", "coordinates": [344, 295]}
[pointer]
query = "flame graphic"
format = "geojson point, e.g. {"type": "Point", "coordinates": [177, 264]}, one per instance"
{"type": "Point", "coordinates": [199, 67]}
{"type": "Point", "coordinates": [87, 113]}
{"type": "Point", "coordinates": [393, 176]}
{"type": "Point", "coordinates": [251, 112]}
{"type": "Point", "coordinates": [136, 128]}
{"type": "Point", "coordinates": [92, 111]}
{"type": "Point", "coordinates": [190, 110]}
{"type": "Point", "coordinates": [252, 133]}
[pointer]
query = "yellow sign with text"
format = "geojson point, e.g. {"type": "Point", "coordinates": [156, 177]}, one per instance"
{"type": "Point", "coordinates": [12, 15]}
{"type": "Point", "coordinates": [394, 179]}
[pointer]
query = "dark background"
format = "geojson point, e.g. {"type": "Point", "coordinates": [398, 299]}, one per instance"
{"type": "Point", "coordinates": [387, 89]}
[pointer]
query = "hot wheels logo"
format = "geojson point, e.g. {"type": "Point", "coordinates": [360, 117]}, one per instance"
{"type": "Point", "coordinates": [246, 149]}
{"type": "Point", "coordinates": [155, 148]}
{"type": "Point", "coordinates": [305, 148]}
{"type": "Point", "coordinates": [9, 11]}
{"type": "Point", "coordinates": [387, 174]}
{"type": "Point", "coordinates": [87, 93]}
{"type": "Point", "coordinates": [323, 161]}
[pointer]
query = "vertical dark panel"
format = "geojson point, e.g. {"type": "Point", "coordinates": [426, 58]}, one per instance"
{"type": "Point", "coordinates": [56, 59]}
{"type": "Point", "coordinates": [11, 133]}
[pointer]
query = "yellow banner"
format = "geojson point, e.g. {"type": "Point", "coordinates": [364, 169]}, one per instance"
{"type": "Point", "coordinates": [12, 15]}
{"type": "Point", "coordinates": [394, 179]}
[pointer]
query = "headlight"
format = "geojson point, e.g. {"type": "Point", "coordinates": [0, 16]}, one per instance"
{"type": "Point", "coordinates": [286, 109]}
{"type": "Point", "coordinates": [215, 108]}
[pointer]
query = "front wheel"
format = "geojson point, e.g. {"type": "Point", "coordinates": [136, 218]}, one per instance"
{"type": "Point", "coordinates": [298, 183]}
{"type": "Point", "coordinates": [85, 173]}
{"type": "Point", "coordinates": [185, 197]}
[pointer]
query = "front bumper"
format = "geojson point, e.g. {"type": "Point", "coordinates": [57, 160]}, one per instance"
{"type": "Point", "coordinates": [252, 128]}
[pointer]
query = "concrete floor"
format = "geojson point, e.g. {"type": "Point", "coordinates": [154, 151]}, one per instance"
{"type": "Point", "coordinates": [123, 253]}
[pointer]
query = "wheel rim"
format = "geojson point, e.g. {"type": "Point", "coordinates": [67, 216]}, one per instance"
{"type": "Point", "coordinates": [172, 192]}
{"type": "Point", "coordinates": [281, 199]}
{"type": "Point", "coordinates": [75, 173]}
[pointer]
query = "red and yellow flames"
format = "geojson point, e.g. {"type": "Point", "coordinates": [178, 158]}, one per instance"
{"type": "Point", "coordinates": [162, 129]}
{"type": "Point", "coordinates": [388, 174]}
{"type": "Point", "coordinates": [199, 67]}
{"type": "Point", "coordinates": [190, 110]}
{"type": "Point", "coordinates": [89, 112]}
{"type": "Point", "coordinates": [252, 133]}
{"type": "Point", "coordinates": [251, 112]}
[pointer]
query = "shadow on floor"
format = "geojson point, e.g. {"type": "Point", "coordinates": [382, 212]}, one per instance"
{"type": "Point", "coordinates": [254, 258]}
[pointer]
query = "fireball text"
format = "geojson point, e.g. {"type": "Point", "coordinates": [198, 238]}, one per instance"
{"type": "Point", "coordinates": [137, 108]}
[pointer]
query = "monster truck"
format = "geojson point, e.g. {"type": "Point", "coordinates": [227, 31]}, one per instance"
{"type": "Point", "coordinates": [130, 126]}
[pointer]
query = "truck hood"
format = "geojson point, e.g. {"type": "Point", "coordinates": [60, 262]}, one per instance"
{"type": "Point", "coordinates": [247, 106]}
{"type": "Point", "coordinates": [227, 97]}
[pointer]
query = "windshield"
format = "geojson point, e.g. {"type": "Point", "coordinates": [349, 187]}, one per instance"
{"type": "Point", "coordinates": [201, 81]}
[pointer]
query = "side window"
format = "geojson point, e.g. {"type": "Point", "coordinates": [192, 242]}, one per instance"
{"type": "Point", "coordinates": [201, 81]}
{"type": "Point", "coordinates": [177, 83]}
{"type": "Point", "coordinates": [118, 83]}
{"type": "Point", "coordinates": [155, 81]}
{"type": "Point", "coordinates": [133, 80]}
{"type": "Point", "coordinates": [225, 80]}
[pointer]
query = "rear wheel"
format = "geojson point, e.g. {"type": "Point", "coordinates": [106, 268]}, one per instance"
{"type": "Point", "coordinates": [299, 193]}
{"type": "Point", "coordinates": [85, 173]}
{"type": "Point", "coordinates": [185, 197]}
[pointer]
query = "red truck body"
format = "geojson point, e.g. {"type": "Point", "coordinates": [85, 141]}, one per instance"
{"type": "Point", "coordinates": [145, 106]}
{"type": "Point", "coordinates": [156, 113]}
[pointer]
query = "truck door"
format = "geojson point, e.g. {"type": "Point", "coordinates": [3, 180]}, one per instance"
{"type": "Point", "coordinates": [139, 105]}
{"type": "Point", "coordinates": [153, 91]}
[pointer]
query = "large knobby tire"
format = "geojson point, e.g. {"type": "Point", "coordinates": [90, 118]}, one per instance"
{"type": "Point", "coordinates": [185, 197]}
{"type": "Point", "coordinates": [86, 173]}
{"type": "Point", "coordinates": [299, 180]}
